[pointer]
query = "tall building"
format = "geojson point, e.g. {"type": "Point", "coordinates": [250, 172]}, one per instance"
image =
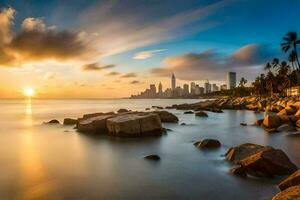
{"type": "Point", "coordinates": [173, 82]}
{"type": "Point", "coordinates": [185, 89]}
{"type": "Point", "coordinates": [214, 88]}
{"type": "Point", "coordinates": [160, 90]}
{"type": "Point", "coordinates": [231, 80]}
{"type": "Point", "coordinates": [193, 88]}
{"type": "Point", "coordinates": [207, 87]}
{"type": "Point", "coordinates": [152, 90]}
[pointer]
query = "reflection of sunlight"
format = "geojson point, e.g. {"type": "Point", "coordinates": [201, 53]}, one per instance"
{"type": "Point", "coordinates": [31, 169]}
{"type": "Point", "coordinates": [28, 112]}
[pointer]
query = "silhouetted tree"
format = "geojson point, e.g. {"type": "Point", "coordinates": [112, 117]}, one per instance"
{"type": "Point", "coordinates": [289, 44]}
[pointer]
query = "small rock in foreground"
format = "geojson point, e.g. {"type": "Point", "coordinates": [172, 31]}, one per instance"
{"type": "Point", "coordinates": [153, 157]}
{"type": "Point", "coordinates": [243, 124]}
{"type": "Point", "coordinates": [122, 110]}
{"type": "Point", "coordinates": [209, 144]}
{"type": "Point", "coordinates": [53, 121]}
{"type": "Point", "coordinates": [201, 114]}
{"type": "Point", "coordinates": [292, 193]}
{"type": "Point", "coordinates": [69, 121]}
{"type": "Point", "coordinates": [290, 181]}
{"type": "Point", "coordinates": [188, 112]}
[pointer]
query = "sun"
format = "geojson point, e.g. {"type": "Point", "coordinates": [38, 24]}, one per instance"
{"type": "Point", "coordinates": [29, 92]}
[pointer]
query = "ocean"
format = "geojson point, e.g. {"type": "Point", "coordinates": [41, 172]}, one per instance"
{"type": "Point", "coordinates": [40, 161]}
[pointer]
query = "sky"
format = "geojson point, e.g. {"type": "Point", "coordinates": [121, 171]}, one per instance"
{"type": "Point", "coordinates": [115, 48]}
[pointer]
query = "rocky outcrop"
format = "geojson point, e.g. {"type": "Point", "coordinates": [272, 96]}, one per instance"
{"type": "Point", "coordinates": [70, 121]}
{"type": "Point", "coordinates": [268, 163]}
{"type": "Point", "coordinates": [201, 114]}
{"type": "Point", "coordinates": [290, 181]}
{"type": "Point", "coordinates": [209, 144]}
{"type": "Point", "coordinates": [94, 124]}
{"type": "Point", "coordinates": [238, 153]}
{"type": "Point", "coordinates": [292, 193]}
{"type": "Point", "coordinates": [135, 125]}
{"type": "Point", "coordinates": [272, 121]}
{"type": "Point", "coordinates": [167, 117]}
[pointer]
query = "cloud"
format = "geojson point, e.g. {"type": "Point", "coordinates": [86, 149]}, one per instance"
{"type": "Point", "coordinates": [135, 82]}
{"type": "Point", "coordinates": [95, 67]}
{"type": "Point", "coordinates": [146, 54]}
{"type": "Point", "coordinates": [129, 75]}
{"type": "Point", "coordinates": [211, 65]}
{"type": "Point", "coordinates": [36, 42]}
{"type": "Point", "coordinates": [49, 76]}
{"type": "Point", "coordinates": [113, 74]}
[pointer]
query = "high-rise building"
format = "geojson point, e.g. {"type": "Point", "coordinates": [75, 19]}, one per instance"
{"type": "Point", "coordinates": [160, 90]}
{"type": "Point", "coordinates": [223, 87]}
{"type": "Point", "coordinates": [152, 90]}
{"type": "Point", "coordinates": [207, 87]}
{"type": "Point", "coordinates": [231, 80]}
{"type": "Point", "coordinates": [173, 82]}
{"type": "Point", "coordinates": [185, 89]}
{"type": "Point", "coordinates": [193, 88]}
{"type": "Point", "coordinates": [214, 87]}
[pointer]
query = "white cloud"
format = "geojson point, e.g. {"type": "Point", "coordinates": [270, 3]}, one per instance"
{"type": "Point", "coordinates": [146, 54]}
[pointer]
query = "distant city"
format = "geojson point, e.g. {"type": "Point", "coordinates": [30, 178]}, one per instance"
{"type": "Point", "coordinates": [188, 90]}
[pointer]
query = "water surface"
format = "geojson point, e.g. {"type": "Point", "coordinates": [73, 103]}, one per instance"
{"type": "Point", "coordinates": [55, 162]}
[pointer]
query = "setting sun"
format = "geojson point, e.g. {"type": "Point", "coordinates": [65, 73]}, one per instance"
{"type": "Point", "coordinates": [29, 92]}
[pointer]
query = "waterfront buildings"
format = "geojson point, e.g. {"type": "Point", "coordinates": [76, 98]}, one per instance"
{"type": "Point", "coordinates": [231, 80]}
{"type": "Point", "coordinates": [173, 82]}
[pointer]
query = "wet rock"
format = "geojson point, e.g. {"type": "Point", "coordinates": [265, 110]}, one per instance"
{"type": "Point", "coordinates": [272, 121]}
{"type": "Point", "coordinates": [90, 115]}
{"type": "Point", "coordinates": [122, 110]}
{"type": "Point", "coordinates": [135, 125]}
{"type": "Point", "coordinates": [201, 114]}
{"type": "Point", "coordinates": [94, 124]}
{"type": "Point", "coordinates": [292, 193]}
{"type": "Point", "coordinates": [69, 121]}
{"type": "Point", "coordinates": [147, 108]}
{"type": "Point", "coordinates": [197, 143]}
{"type": "Point", "coordinates": [216, 110]}
{"type": "Point", "coordinates": [290, 181]}
{"type": "Point", "coordinates": [239, 171]}
{"type": "Point", "coordinates": [183, 124]}
{"type": "Point", "coordinates": [166, 116]}
{"type": "Point", "coordinates": [53, 121]}
{"type": "Point", "coordinates": [209, 144]}
{"type": "Point", "coordinates": [258, 122]}
{"type": "Point", "coordinates": [188, 112]}
{"type": "Point", "coordinates": [157, 107]}
{"type": "Point", "coordinates": [286, 128]}
{"type": "Point", "coordinates": [238, 153]}
{"type": "Point", "coordinates": [243, 124]}
{"type": "Point", "coordinates": [268, 163]}
{"type": "Point", "coordinates": [153, 157]}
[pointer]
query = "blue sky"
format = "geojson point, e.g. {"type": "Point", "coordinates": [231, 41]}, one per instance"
{"type": "Point", "coordinates": [196, 39]}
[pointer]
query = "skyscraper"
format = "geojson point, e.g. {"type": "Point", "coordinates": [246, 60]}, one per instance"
{"type": "Point", "coordinates": [185, 89]}
{"type": "Point", "coordinates": [193, 88]}
{"type": "Point", "coordinates": [173, 82]}
{"type": "Point", "coordinates": [160, 91]}
{"type": "Point", "coordinates": [231, 80]}
{"type": "Point", "coordinates": [207, 87]}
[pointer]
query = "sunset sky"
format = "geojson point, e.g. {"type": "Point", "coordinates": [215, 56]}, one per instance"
{"type": "Point", "coordinates": [115, 48]}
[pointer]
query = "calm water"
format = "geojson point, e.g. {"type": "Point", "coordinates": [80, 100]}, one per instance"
{"type": "Point", "coordinates": [55, 162]}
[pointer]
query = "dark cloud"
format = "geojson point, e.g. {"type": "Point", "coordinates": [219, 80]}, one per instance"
{"type": "Point", "coordinates": [210, 65]}
{"type": "Point", "coordinates": [95, 67]}
{"type": "Point", "coordinates": [113, 74]}
{"type": "Point", "coordinates": [135, 82]}
{"type": "Point", "coordinates": [35, 41]}
{"type": "Point", "coordinates": [129, 75]}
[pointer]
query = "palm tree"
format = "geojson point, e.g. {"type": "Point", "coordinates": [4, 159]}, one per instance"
{"type": "Point", "coordinates": [243, 81]}
{"type": "Point", "coordinates": [268, 66]}
{"type": "Point", "coordinates": [290, 42]}
{"type": "Point", "coordinates": [292, 59]}
{"type": "Point", "coordinates": [275, 63]}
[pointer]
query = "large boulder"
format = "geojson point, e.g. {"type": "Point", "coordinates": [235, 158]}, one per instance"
{"type": "Point", "coordinates": [90, 115]}
{"type": "Point", "coordinates": [292, 193]}
{"type": "Point", "coordinates": [268, 163]}
{"type": "Point", "coordinates": [70, 121]}
{"type": "Point", "coordinates": [272, 121]}
{"type": "Point", "coordinates": [135, 125]}
{"type": "Point", "coordinates": [166, 116]}
{"type": "Point", "coordinates": [290, 181]}
{"type": "Point", "coordinates": [209, 144]}
{"type": "Point", "coordinates": [94, 124]}
{"type": "Point", "coordinates": [238, 153]}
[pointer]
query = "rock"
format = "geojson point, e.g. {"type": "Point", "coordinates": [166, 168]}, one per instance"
{"type": "Point", "coordinates": [216, 110]}
{"type": "Point", "coordinates": [183, 124]}
{"type": "Point", "coordinates": [153, 157]}
{"type": "Point", "coordinates": [94, 124]}
{"type": "Point", "coordinates": [86, 116]}
{"type": "Point", "coordinates": [166, 116]}
{"type": "Point", "coordinates": [201, 114]}
{"type": "Point", "coordinates": [271, 121]}
{"type": "Point", "coordinates": [239, 171]}
{"type": "Point", "coordinates": [238, 153]}
{"type": "Point", "coordinates": [53, 121]}
{"type": "Point", "coordinates": [268, 163]}
{"type": "Point", "coordinates": [258, 122]}
{"type": "Point", "coordinates": [298, 123]}
{"type": "Point", "coordinates": [135, 125]}
{"type": "Point", "coordinates": [243, 124]}
{"type": "Point", "coordinates": [69, 121]}
{"type": "Point", "coordinates": [284, 118]}
{"type": "Point", "coordinates": [197, 143]}
{"type": "Point", "coordinates": [290, 181]}
{"type": "Point", "coordinates": [292, 193]}
{"type": "Point", "coordinates": [122, 110]}
{"type": "Point", "coordinates": [286, 128]}
{"type": "Point", "coordinates": [209, 144]}
{"type": "Point", "coordinates": [147, 108]}
{"type": "Point", "coordinates": [157, 107]}
{"type": "Point", "coordinates": [188, 112]}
